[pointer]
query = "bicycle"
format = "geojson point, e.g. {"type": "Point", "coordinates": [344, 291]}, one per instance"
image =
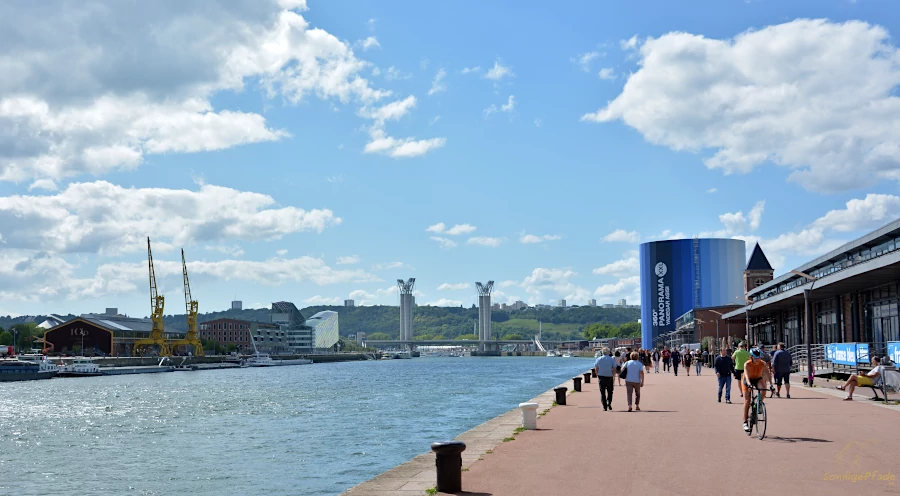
{"type": "Point", "coordinates": [757, 418]}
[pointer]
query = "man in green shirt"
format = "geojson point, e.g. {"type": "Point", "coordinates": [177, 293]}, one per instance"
{"type": "Point", "coordinates": [740, 357]}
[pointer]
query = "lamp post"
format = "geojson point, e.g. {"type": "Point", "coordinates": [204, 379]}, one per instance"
{"type": "Point", "coordinates": [717, 329]}
{"type": "Point", "coordinates": [807, 322]}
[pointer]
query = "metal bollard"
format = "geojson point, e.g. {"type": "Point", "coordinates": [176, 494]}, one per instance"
{"type": "Point", "coordinates": [529, 415]}
{"type": "Point", "coordinates": [593, 372]}
{"type": "Point", "coordinates": [576, 382]}
{"type": "Point", "coordinates": [560, 395]}
{"type": "Point", "coordinates": [448, 461]}
{"type": "Point", "coordinates": [587, 377]}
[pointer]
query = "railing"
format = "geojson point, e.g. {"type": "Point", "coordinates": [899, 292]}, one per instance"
{"type": "Point", "coordinates": [537, 342]}
{"type": "Point", "coordinates": [801, 360]}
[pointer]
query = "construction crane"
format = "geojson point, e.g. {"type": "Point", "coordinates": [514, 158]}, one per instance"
{"type": "Point", "coordinates": [157, 303]}
{"type": "Point", "coordinates": [192, 338]}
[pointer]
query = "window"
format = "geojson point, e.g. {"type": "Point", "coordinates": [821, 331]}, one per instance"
{"type": "Point", "coordinates": [759, 282]}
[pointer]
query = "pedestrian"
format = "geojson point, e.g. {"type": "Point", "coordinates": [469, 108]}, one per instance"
{"type": "Point", "coordinates": [740, 357]}
{"type": "Point", "coordinates": [724, 366]}
{"type": "Point", "coordinates": [605, 367]}
{"type": "Point", "coordinates": [634, 380]}
{"type": "Point", "coordinates": [688, 358]}
{"type": "Point", "coordinates": [676, 360]}
{"type": "Point", "coordinates": [618, 358]}
{"type": "Point", "coordinates": [782, 361]}
{"type": "Point", "coordinates": [645, 359]}
{"type": "Point", "coordinates": [667, 358]}
{"type": "Point", "coordinates": [656, 359]}
{"type": "Point", "coordinates": [698, 361]}
{"type": "Point", "coordinates": [706, 358]}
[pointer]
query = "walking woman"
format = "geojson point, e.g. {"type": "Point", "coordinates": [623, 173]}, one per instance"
{"type": "Point", "coordinates": [688, 358]}
{"type": "Point", "coordinates": [656, 358]}
{"type": "Point", "coordinates": [617, 356]}
{"type": "Point", "coordinates": [634, 380]}
{"type": "Point", "coordinates": [666, 356]}
{"type": "Point", "coordinates": [645, 359]}
{"type": "Point", "coordinates": [698, 361]}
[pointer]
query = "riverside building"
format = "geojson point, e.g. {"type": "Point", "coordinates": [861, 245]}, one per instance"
{"type": "Point", "coordinates": [849, 295]}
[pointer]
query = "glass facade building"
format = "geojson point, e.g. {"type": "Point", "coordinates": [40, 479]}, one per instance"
{"type": "Point", "coordinates": [325, 329]}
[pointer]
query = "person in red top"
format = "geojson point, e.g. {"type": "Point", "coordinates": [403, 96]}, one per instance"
{"type": "Point", "coordinates": [666, 357]}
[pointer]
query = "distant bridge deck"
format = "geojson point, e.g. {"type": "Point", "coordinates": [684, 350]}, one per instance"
{"type": "Point", "coordinates": [444, 342]}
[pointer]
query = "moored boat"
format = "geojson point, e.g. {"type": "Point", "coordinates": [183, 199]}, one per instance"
{"type": "Point", "coordinates": [24, 370]}
{"type": "Point", "coordinates": [80, 367]}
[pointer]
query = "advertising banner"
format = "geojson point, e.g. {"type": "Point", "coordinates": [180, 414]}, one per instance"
{"type": "Point", "coordinates": [847, 353]}
{"type": "Point", "coordinates": [893, 349]}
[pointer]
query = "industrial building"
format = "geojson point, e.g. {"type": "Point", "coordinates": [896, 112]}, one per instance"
{"type": "Point", "coordinates": [300, 338]}
{"type": "Point", "coordinates": [325, 329]}
{"type": "Point", "coordinates": [678, 276]}
{"type": "Point", "coordinates": [849, 295]}
{"type": "Point", "coordinates": [269, 337]}
{"type": "Point", "coordinates": [102, 335]}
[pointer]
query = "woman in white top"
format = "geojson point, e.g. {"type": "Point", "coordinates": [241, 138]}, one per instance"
{"type": "Point", "coordinates": [617, 356]}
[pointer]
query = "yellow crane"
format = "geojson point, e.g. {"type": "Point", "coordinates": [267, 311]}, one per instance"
{"type": "Point", "coordinates": [192, 338]}
{"type": "Point", "coordinates": [157, 303]}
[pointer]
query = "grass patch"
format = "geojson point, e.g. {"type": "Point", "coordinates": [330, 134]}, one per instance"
{"type": "Point", "coordinates": [508, 439]}
{"type": "Point", "coordinates": [431, 491]}
{"type": "Point", "coordinates": [488, 452]}
{"type": "Point", "coordinates": [465, 470]}
{"type": "Point", "coordinates": [519, 429]}
{"type": "Point", "coordinates": [555, 404]}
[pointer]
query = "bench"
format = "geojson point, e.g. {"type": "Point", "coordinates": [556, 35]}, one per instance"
{"type": "Point", "coordinates": [880, 384]}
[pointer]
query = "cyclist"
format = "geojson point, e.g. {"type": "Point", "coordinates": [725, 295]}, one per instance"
{"type": "Point", "coordinates": [756, 374]}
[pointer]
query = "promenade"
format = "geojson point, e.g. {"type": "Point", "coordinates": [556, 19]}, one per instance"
{"type": "Point", "coordinates": [684, 442]}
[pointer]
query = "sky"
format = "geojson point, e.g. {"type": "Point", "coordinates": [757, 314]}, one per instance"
{"type": "Point", "coordinates": [314, 151]}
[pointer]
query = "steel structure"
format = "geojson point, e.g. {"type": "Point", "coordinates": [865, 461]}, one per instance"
{"type": "Point", "coordinates": [407, 302]}
{"type": "Point", "coordinates": [157, 303]}
{"type": "Point", "coordinates": [484, 311]}
{"type": "Point", "coordinates": [192, 338]}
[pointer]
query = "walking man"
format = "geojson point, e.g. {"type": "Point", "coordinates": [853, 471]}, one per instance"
{"type": "Point", "coordinates": [666, 358]}
{"type": "Point", "coordinates": [605, 366]}
{"type": "Point", "coordinates": [676, 360]}
{"type": "Point", "coordinates": [656, 358]}
{"type": "Point", "coordinates": [740, 357]}
{"type": "Point", "coordinates": [781, 363]}
{"type": "Point", "coordinates": [724, 366]}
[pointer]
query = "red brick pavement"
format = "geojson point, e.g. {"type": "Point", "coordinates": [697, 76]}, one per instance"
{"type": "Point", "coordinates": [684, 442]}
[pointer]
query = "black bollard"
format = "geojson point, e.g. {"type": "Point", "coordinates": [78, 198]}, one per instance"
{"type": "Point", "coordinates": [593, 372]}
{"type": "Point", "coordinates": [587, 377]}
{"type": "Point", "coordinates": [448, 461]}
{"type": "Point", "coordinates": [560, 395]}
{"type": "Point", "coordinates": [577, 383]}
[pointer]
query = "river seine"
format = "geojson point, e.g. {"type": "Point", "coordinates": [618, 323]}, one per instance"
{"type": "Point", "coordinates": [299, 430]}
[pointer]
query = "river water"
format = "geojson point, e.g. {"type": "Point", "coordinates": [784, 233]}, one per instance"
{"type": "Point", "coordinates": [299, 430]}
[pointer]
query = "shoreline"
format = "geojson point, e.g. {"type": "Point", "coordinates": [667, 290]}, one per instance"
{"type": "Point", "coordinates": [418, 474]}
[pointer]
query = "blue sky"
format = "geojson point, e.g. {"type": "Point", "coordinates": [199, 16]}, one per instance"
{"type": "Point", "coordinates": [315, 151]}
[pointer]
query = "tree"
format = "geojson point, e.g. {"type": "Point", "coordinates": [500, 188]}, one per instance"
{"type": "Point", "coordinates": [629, 330]}
{"type": "Point", "coordinates": [467, 336]}
{"type": "Point", "coordinates": [26, 334]}
{"type": "Point", "coordinates": [6, 339]}
{"type": "Point", "coordinates": [379, 336]}
{"type": "Point", "coordinates": [511, 337]}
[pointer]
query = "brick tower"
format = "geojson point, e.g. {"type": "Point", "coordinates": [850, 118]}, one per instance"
{"type": "Point", "coordinates": [758, 271]}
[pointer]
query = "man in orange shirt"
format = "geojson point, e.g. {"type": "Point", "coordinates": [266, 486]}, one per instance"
{"type": "Point", "coordinates": [756, 373]}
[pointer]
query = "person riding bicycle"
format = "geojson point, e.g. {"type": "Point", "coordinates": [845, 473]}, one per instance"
{"type": "Point", "coordinates": [756, 375]}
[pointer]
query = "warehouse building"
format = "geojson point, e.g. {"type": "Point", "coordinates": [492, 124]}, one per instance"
{"type": "Point", "coordinates": [107, 334]}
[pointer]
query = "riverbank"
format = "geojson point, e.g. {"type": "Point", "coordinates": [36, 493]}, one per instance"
{"type": "Point", "coordinates": [214, 359]}
{"type": "Point", "coordinates": [418, 475]}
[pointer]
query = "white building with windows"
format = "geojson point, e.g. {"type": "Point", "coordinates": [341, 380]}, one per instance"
{"type": "Point", "coordinates": [325, 329]}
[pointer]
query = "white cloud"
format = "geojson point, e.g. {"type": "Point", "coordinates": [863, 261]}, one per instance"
{"type": "Point", "coordinates": [350, 260]}
{"type": "Point", "coordinates": [454, 287]}
{"type": "Point", "coordinates": [394, 74]}
{"type": "Point", "coordinates": [364, 297]}
{"type": "Point", "coordinates": [486, 241]}
{"type": "Point", "coordinates": [868, 213]}
{"type": "Point", "coordinates": [434, 120]}
{"type": "Point", "coordinates": [625, 267]}
{"type": "Point", "coordinates": [498, 72]}
{"type": "Point", "coordinates": [444, 242]}
{"type": "Point", "coordinates": [532, 238]}
{"type": "Point", "coordinates": [389, 112]}
{"type": "Point", "coordinates": [371, 24]}
{"type": "Point", "coordinates": [318, 300]}
{"type": "Point", "coordinates": [549, 284]}
{"type": "Point", "coordinates": [335, 179]}
{"type": "Point", "coordinates": [469, 70]}
{"type": "Point", "coordinates": [629, 44]}
{"type": "Point", "coordinates": [438, 85]}
{"type": "Point", "coordinates": [102, 217]}
{"type": "Point", "coordinates": [537, 123]}
{"type": "Point", "coordinates": [401, 148]}
{"type": "Point", "coordinates": [507, 284]}
{"type": "Point", "coordinates": [444, 302]}
{"type": "Point", "coordinates": [369, 43]}
{"type": "Point", "coordinates": [507, 107]}
{"type": "Point", "coordinates": [584, 60]}
{"type": "Point", "coordinates": [622, 236]}
{"type": "Point", "coordinates": [45, 184]}
{"type": "Point", "coordinates": [389, 266]}
{"type": "Point", "coordinates": [712, 190]}
{"type": "Point", "coordinates": [282, 252]}
{"type": "Point", "coordinates": [90, 94]}
{"type": "Point", "coordinates": [607, 74]}
{"type": "Point", "coordinates": [625, 286]}
{"type": "Point", "coordinates": [441, 228]}
{"type": "Point", "coordinates": [423, 64]}
{"type": "Point", "coordinates": [816, 97]}
{"type": "Point", "coordinates": [737, 223]}
{"type": "Point", "coordinates": [232, 250]}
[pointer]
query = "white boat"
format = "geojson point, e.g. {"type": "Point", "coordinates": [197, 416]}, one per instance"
{"type": "Point", "coordinates": [567, 355]}
{"type": "Point", "coordinates": [260, 360]}
{"type": "Point", "coordinates": [45, 366]}
{"type": "Point", "coordinates": [432, 354]}
{"type": "Point", "coordinates": [402, 354]}
{"type": "Point", "coordinates": [292, 361]}
{"type": "Point", "coordinates": [552, 354]}
{"type": "Point", "coordinates": [12, 369]}
{"type": "Point", "coordinates": [80, 367]}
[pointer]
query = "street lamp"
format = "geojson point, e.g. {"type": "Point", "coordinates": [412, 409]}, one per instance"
{"type": "Point", "coordinates": [717, 329]}
{"type": "Point", "coordinates": [807, 322]}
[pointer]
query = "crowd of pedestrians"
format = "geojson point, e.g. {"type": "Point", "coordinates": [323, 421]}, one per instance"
{"type": "Point", "coordinates": [614, 367]}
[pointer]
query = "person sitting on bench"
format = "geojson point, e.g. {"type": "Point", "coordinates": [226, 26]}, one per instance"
{"type": "Point", "coordinates": [857, 380]}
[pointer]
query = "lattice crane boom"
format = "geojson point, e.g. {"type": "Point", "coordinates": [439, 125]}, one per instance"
{"type": "Point", "coordinates": [157, 306]}
{"type": "Point", "coordinates": [192, 337]}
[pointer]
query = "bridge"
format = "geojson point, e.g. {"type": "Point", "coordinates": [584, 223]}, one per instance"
{"type": "Point", "coordinates": [490, 344]}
